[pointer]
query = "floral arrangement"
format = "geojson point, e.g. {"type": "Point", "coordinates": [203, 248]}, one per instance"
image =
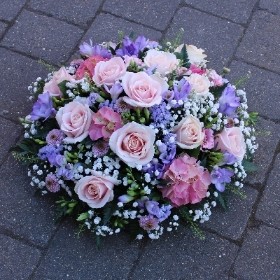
{"type": "Point", "coordinates": [137, 136]}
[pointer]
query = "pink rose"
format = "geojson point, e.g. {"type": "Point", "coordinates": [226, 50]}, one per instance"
{"type": "Point", "coordinates": [143, 90]}
{"type": "Point", "coordinates": [104, 123]}
{"type": "Point", "coordinates": [96, 190]}
{"type": "Point", "coordinates": [215, 78]}
{"type": "Point", "coordinates": [87, 66]}
{"type": "Point", "coordinates": [231, 140]}
{"type": "Point", "coordinates": [199, 84]}
{"type": "Point", "coordinates": [58, 77]}
{"type": "Point", "coordinates": [187, 181]}
{"type": "Point", "coordinates": [108, 72]}
{"type": "Point", "coordinates": [74, 120]}
{"type": "Point", "coordinates": [164, 62]}
{"type": "Point", "coordinates": [189, 133]}
{"type": "Point", "coordinates": [133, 143]}
{"type": "Point", "coordinates": [208, 141]}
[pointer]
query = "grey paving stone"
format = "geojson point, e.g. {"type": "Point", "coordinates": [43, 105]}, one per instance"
{"type": "Point", "coordinates": [259, 255]}
{"type": "Point", "coordinates": [19, 72]}
{"type": "Point", "coordinates": [268, 209]}
{"type": "Point", "coordinates": [270, 5]}
{"type": "Point", "coordinates": [105, 28]}
{"type": "Point", "coordinates": [73, 257]}
{"type": "Point", "coordinates": [260, 45]}
{"type": "Point", "coordinates": [9, 133]}
{"type": "Point", "coordinates": [262, 88]}
{"type": "Point", "coordinates": [23, 213]}
{"type": "Point", "coordinates": [232, 223]}
{"type": "Point", "coordinates": [76, 11]}
{"type": "Point", "coordinates": [238, 10]}
{"type": "Point", "coordinates": [156, 13]}
{"type": "Point", "coordinates": [17, 259]}
{"type": "Point", "coordinates": [3, 27]}
{"type": "Point", "coordinates": [10, 8]}
{"type": "Point", "coordinates": [182, 256]}
{"type": "Point", "coordinates": [43, 37]}
{"type": "Point", "coordinates": [268, 135]}
{"type": "Point", "coordinates": [217, 36]}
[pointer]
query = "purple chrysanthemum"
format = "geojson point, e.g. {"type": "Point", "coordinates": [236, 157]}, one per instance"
{"type": "Point", "coordinates": [52, 154]}
{"type": "Point", "coordinates": [221, 176]}
{"type": "Point", "coordinates": [55, 137]}
{"type": "Point", "coordinates": [52, 183]}
{"type": "Point", "coordinates": [121, 107]}
{"type": "Point", "coordinates": [100, 148]}
{"type": "Point", "coordinates": [229, 102]}
{"type": "Point", "coordinates": [148, 222]}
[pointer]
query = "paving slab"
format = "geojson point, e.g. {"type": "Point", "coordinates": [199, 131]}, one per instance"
{"type": "Point", "coordinates": [238, 10]}
{"type": "Point", "coordinates": [262, 88]}
{"type": "Point", "coordinates": [106, 27]}
{"type": "Point", "coordinates": [180, 255]}
{"type": "Point", "coordinates": [217, 36]}
{"type": "Point", "coordinates": [3, 27]}
{"type": "Point", "coordinates": [43, 37]}
{"type": "Point", "coordinates": [29, 216]}
{"type": "Point", "coordinates": [19, 72]}
{"type": "Point", "coordinates": [9, 132]}
{"type": "Point", "coordinates": [76, 11]}
{"type": "Point", "coordinates": [17, 259]}
{"type": "Point", "coordinates": [260, 45]}
{"type": "Point", "coordinates": [268, 209]}
{"type": "Point", "coordinates": [268, 135]}
{"type": "Point", "coordinates": [73, 257]}
{"type": "Point", "coordinates": [10, 8]}
{"type": "Point", "coordinates": [232, 222]}
{"type": "Point", "coordinates": [272, 6]}
{"type": "Point", "coordinates": [259, 257]}
{"type": "Point", "coordinates": [156, 13]}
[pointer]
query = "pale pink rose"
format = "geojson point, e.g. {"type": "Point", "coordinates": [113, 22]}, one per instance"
{"type": "Point", "coordinates": [215, 78]}
{"type": "Point", "coordinates": [187, 181]}
{"type": "Point", "coordinates": [132, 59]}
{"type": "Point", "coordinates": [88, 66]}
{"type": "Point", "coordinates": [133, 143]}
{"type": "Point", "coordinates": [189, 133]}
{"type": "Point", "coordinates": [96, 190]}
{"type": "Point", "coordinates": [231, 140]}
{"type": "Point", "coordinates": [208, 141]}
{"type": "Point", "coordinates": [58, 77]}
{"type": "Point", "coordinates": [104, 123]}
{"type": "Point", "coordinates": [108, 72]}
{"type": "Point", "coordinates": [143, 90]}
{"type": "Point", "coordinates": [164, 62]}
{"type": "Point", "coordinates": [195, 55]}
{"type": "Point", "coordinates": [74, 120]}
{"type": "Point", "coordinates": [199, 84]}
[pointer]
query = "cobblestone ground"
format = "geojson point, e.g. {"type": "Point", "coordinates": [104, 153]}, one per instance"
{"type": "Point", "coordinates": [240, 244]}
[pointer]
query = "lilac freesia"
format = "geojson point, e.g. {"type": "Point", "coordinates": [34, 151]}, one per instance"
{"type": "Point", "coordinates": [43, 107]}
{"type": "Point", "coordinates": [115, 90]}
{"type": "Point", "coordinates": [161, 213]}
{"type": "Point", "coordinates": [229, 158]}
{"type": "Point", "coordinates": [65, 171]}
{"type": "Point", "coordinates": [228, 101]}
{"type": "Point", "coordinates": [132, 48]}
{"type": "Point", "coordinates": [221, 176]}
{"type": "Point", "coordinates": [52, 154]}
{"type": "Point", "coordinates": [125, 198]}
{"type": "Point", "coordinates": [90, 50]}
{"type": "Point", "coordinates": [181, 89]}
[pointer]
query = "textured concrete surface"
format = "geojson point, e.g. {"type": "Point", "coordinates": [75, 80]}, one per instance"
{"type": "Point", "coordinates": [242, 243]}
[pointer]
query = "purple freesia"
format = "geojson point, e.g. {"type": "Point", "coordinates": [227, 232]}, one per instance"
{"type": "Point", "coordinates": [228, 101]}
{"type": "Point", "coordinates": [90, 50]}
{"type": "Point", "coordinates": [181, 89]}
{"type": "Point", "coordinates": [43, 107]}
{"type": "Point", "coordinates": [161, 213]}
{"type": "Point", "coordinates": [229, 158]}
{"type": "Point", "coordinates": [52, 154]}
{"type": "Point", "coordinates": [65, 171]}
{"type": "Point", "coordinates": [115, 90]}
{"type": "Point", "coordinates": [125, 198]}
{"type": "Point", "coordinates": [221, 176]}
{"type": "Point", "coordinates": [132, 48]}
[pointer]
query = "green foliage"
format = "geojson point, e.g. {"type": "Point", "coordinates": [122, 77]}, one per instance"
{"type": "Point", "coordinates": [222, 200]}
{"type": "Point", "coordinates": [237, 191]}
{"type": "Point", "coordinates": [63, 88]}
{"type": "Point", "coordinates": [249, 166]}
{"type": "Point", "coordinates": [252, 120]}
{"type": "Point", "coordinates": [83, 216]}
{"type": "Point", "coordinates": [66, 207]}
{"type": "Point", "coordinates": [183, 56]}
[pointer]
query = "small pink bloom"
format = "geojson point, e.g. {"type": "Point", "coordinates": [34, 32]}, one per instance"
{"type": "Point", "coordinates": [188, 181]}
{"type": "Point", "coordinates": [231, 140]}
{"type": "Point", "coordinates": [130, 59]}
{"type": "Point", "coordinates": [215, 78]}
{"type": "Point", "coordinates": [58, 77]}
{"type": "Point", "coordinates": [88, 66]}
{"type": "Point", "coordinates": [74, 120]}
{"type": "Point", "coordinates": [208, 141]}
{"type": "Point", "coordinates": [96, 190]}
{"type": "Point", "coordinates": [133, 144]}
{"type": "Point", "coordinates": [104, 123]}
{"type": "Point", "coordinates": [198, 70]}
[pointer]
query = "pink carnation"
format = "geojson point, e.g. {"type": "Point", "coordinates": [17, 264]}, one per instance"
{"type": "Point", "coordinates": [104, 123]}
{"type": "Point", "coordinates": [188, 181]}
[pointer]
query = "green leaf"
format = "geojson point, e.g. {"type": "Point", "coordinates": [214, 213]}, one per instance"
{"type": "Point", "coordinates": [83, 216]}
{"type": "Point", "coordinates": [194, 152]}
{"type": "Point", "coordinates": [63, 88]}
{"type": "Point", "coordinates": [249, 166]}
{"type": "Point", "coordinates": [222, 201]}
